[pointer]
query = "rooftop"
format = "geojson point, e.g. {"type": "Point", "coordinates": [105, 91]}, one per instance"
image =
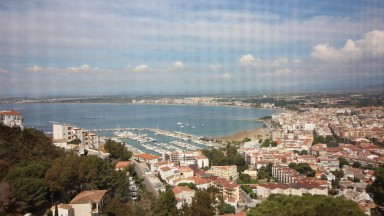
{"type": "Point", "coordinates": [93, 196]}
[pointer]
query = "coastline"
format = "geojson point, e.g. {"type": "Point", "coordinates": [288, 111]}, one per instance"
{"type": "Point", "coordinates": [257, 133]}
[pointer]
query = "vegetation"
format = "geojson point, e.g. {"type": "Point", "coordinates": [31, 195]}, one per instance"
{"type": "Point", "coordinates": [303, 168]}
{"type": "Point", "coordinates": [190, 185]}
{"type": "Point", "coordinates": [249, 191]}
{"type": "Point", "coordinates": [282, 205]}
{"type": "Point", "coordinates": [32, 170]}
{"type": "Point", "coordinates": [268, 143]}
{"type": "Point", "coordinates": [265, 172]}
{"type": "Point", "coordinates": [342, 162]}
{"type": "Point", "coordinates": [356, 165]}
{"type": "Point", "coordinates": [75, 141]}
{"type": "Point", "coordinates": [218, 158]}
{"type": "Point", "coordinates": [246, 179]}
{"type": "Point", "coordinates": [322, 139]}
{"type": "Point", "coordinates": [226, 208]}
{"type": "Point", "coordinates": [339, 174]}
{"type": "Point", "coordinates": [165, 204]}
{"type": "Point", "coordinates": [117, 150]}
{"type": "Point", "coordinates": [376, 191]}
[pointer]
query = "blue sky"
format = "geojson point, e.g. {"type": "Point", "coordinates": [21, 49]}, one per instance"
{"type": "Point", "coordinates": [50, 47]}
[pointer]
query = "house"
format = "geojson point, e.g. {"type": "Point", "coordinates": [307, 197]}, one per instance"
{"type": "Point", "coordinates": [121, 165]}
{"type": "Point", "coordinates": [183, 195]}
{"type": "Point", "coordinates": [227, 172]}
{"type": "Point", "coordinates": [86, 203]}
{"type": "Point", "coordinates": [200, 183]}
{"type": "Point", "coordinates": [64, 210]}
{"type": "Point", "coordinates": [147, 158]}
{"type": "Point", "coordinates": [11, 118]}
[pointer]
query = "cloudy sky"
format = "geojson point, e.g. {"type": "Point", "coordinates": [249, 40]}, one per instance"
{"type": "Point", "coordinates": [78, 47]}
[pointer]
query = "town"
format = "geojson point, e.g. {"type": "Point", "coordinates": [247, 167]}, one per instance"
{"type": "Point", "coordinates": [330, 151]}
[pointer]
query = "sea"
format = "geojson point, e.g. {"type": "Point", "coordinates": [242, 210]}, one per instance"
{"type": "Point", "coordinates": [208, 121]}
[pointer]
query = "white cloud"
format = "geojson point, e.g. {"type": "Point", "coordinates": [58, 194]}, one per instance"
{"type": "Point", "coordinates": [296, 61]}
{"type": "Point", "coordinates": [141, 68]}
{"type": "Point", "coordinates": [283, 60]}
{"type": "Point", "coordinates": [178, 65]}
{"type": "Point", "coordinates": [251, 60]}
{"type": "Point", "coordinates": [246, 59]}
{"type": "Point", "coordinates": [35, 68]}
{"type": "Point", "coordinates": [372, 45]}
{"type": "Point", "coordinates": [82, 68]}
{"type": "Point", "coordinates": [215, 67]}
{"type": "Point", "coordinates": [283, 71]}
{"type": "Point", "coordinates": [226, 76]}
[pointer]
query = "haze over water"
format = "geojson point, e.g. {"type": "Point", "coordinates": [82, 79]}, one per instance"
{"type": "Point", "coordinates": [195, 120]}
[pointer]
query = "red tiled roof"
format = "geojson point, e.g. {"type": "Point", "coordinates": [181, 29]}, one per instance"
{"type": "Point", "coordinates": [166, 168]}
{"type": "Point", "coordinates": [9, 112]}
{"type": "Point", "coordinates": [179, 189]}
{"type": "Point", "coordinates": [123, 164]}
{"type": "Point", "coordinates": [147, 156]}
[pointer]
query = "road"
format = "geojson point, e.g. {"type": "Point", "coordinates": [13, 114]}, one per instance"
{"type": "Point", "coordinates": [140, 169]}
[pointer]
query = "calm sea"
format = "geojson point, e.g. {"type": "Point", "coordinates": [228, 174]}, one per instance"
{"type": "Point", "coordinates": [209, 121]}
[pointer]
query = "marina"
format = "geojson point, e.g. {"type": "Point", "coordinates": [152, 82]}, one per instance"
{"type": "Point", "coordinates": [145, 140]}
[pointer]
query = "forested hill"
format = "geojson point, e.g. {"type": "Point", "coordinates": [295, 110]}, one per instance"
{"type": "Point", "coordinates": [20, 148]}
{"type": "Point", "coordinates": [33, 173]}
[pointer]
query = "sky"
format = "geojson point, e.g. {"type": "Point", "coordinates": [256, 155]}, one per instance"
{"type": "Point", "coordinates": [124, 47]}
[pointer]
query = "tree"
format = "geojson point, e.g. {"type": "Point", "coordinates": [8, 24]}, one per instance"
{"type": "Point", "coordinates": [303, 152]}
{"type": "Point", "coordinates": [356, 164]}
{"type": "Point", "coordinates": [7, 200]}
{"type": "Point", "coordinates": [280, 205]}
{"type": "Point", "coordinates": [62, 177]}
{"type": "Point", "coordinates": [226, 208]}
{"type": "Point", "coordinates": [338, 174]}
{"type": "Point", "coordinates": [245, 177]}
{"type": "Point", "coordinates": [117, 150]}
{"type": "Point", "coordinates": [28, 186]}
{"type": "Point", "coordinates": [204, 203]}
{"type": "Point", "coordinates": [302, 168]}
{"type": "Point", "coordinates": [190, 185]}
{"type": "Point", "coordinates": [342, 162]}
{"type": "Point", "coordinates": [376, 190]}
{"type": "Point", "coordinates": [165, 205]}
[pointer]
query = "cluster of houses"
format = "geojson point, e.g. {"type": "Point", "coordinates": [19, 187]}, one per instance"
{"type": "Point", "coordinates": [182, 168]}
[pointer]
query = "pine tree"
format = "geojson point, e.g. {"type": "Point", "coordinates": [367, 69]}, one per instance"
{"type": "Point", "coordinates": [165, 205]}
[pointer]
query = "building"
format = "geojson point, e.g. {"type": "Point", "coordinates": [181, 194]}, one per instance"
{"type": "Point", "coordinates": [64, 210]}
{"type": "Point", "coordinates": [187, 158]}
{"type": "Point", "coordinates": [227, 188]}
{"type": "Point", "coordinates": [298, 189]}
{"type": "Point", "coordinates": [183, 195]}
{"type": "Point", "coordinates": [147, 158]}
{"type": "Point", "coordinates": [86, 203]}
{"type": "Point", "coordinates": [227, 172]}
{"type": "Point", "coordinates": [121, 165]}
{"type": "Point", "coordinates": [285, 174]}
{"type": "Point", "coordinates": [11, 118]}
{"type": "Point", "coordinates": [70, 137]}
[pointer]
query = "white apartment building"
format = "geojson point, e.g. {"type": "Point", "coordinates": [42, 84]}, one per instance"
{"type": "Point", "coordinates": [187, 158]}
{"type": "Point", "coordinates": [11, 118]}
{"type": "Point", "coordinates": [227, 172]}
{"type": "Point", "coordinates": [65, 133]}
{"type": "Point", "coordinates": [265, 190]}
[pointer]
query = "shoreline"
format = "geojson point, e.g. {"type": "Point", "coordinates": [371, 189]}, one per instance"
{"type": "Point", "coordinates": [257, 133]}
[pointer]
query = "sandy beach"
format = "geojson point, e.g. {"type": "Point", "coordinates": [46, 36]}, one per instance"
{"type": "Point", "coordinates": [258, 133]}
